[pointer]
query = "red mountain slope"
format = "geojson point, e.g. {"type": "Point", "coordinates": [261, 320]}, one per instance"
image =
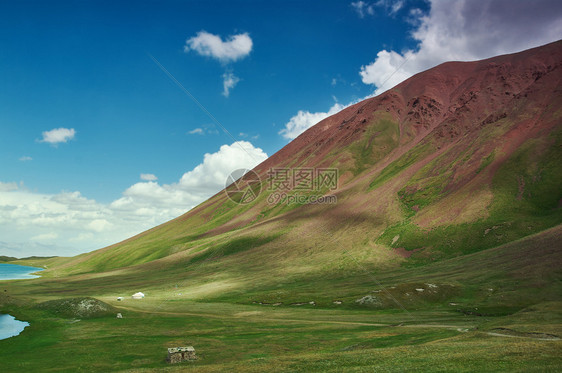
{"type": "Point", "coordinates": [459, 158]}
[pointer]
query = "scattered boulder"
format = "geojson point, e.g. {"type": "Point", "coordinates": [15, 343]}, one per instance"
{"type": "Point", "coordinates": [119, 316]}
{"type": "Point", "coordinates": [370, 300]}
{"type": "Point", "coordinates": [83, 307]}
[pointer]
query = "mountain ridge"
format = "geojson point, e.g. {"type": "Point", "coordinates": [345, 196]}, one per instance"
{"type": "Point", "coordinates": [461, 143]}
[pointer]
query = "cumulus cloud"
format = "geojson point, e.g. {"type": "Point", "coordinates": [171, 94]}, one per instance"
{"type": "Point", "coordinates": [25, 158]}
{"type": "Point", "coordinates": [216, 167]}
{"type": "Point", "coordinates": [304, 119]}
{"type": "Point", "coordinates": [229, 80]}
{"type": "Point", "coordinates": [58, 135]}
{"type": "Point", "coordinates": [233, 48]}
{"type": "Point", "coordinates": [148, 177]}
{"type": "Point", "coordinates": [387, 70]}
{"type": "Point", "coordinates": [33, 223]}
{"type": "Point", "coordinates": [466, 30]}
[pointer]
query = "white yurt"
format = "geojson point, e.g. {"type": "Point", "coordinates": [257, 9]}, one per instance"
{"type": "Point", "coordinates": [138, 295]}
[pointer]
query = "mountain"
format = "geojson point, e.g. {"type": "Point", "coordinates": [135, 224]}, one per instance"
{"type": "Point", "coordinates": [458, 159]}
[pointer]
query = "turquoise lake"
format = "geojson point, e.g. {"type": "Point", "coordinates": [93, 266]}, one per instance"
{"type": "Point", "coordinates": [9, 326]}
{"type": "Point", "coordinates": [17, 272]}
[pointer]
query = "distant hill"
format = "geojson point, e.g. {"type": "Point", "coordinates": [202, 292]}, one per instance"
{"type": "Point", "coordinates": [11, 258]}
{"type": "Point", "coordinates": [460, 158]}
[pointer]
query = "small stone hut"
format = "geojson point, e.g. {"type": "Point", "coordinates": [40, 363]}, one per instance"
{"type": "Point", "coordinates": [179, 354]}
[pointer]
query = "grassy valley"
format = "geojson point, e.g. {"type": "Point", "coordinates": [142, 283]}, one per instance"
{"type": "Point", "coordinates": [442, 253]}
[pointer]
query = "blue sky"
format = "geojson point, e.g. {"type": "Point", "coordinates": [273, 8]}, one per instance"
{"type": "Point", "coordinates": [86, 66]}
{"type": "Point", "coordinates": [98, 143]}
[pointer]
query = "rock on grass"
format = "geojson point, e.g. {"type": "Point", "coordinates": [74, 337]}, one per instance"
{"type": "Point", "coordinates": [83, 307]}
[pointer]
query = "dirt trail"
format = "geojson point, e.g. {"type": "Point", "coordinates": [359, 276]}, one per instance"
{"type": "Point", "coordinates": [291, 320]}
{"type": "Point", "coordinates": [234, 316]}
{"type": "Point", "coordinates": [536, 338]}
{"type": "Point", "coordinates": [464, 329]}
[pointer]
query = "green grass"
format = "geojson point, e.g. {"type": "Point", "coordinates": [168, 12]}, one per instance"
{"type": "Point", "coordinates": [297, 341]}
{"type": "Point", "coordinates": [206, 273]}
{"type": "Point", "coordinates": [431, 182]}
{"type": "Point", "coordinates": [527, 192]}
{"type": "Point", "coordinates": [231, 247]}
{"type": "Point", "coordinates": [230, 333]}
{"type": "Point", "coordinates": [381, 138]}
{"type": "Point", "coordinates": [411, 157]}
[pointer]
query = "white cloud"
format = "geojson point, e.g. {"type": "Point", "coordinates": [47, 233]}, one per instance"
{"type": "Point", "coordinates": [82, 237]}
{"type": "Point", "coordinates": [64, 223]}
{"type": "Point", "coordinates": [467, 30]}
{"type": "Point", "coordinates": [414, 16]}
{"type": "Point", "coordinates": [453, 30]}
{"type": "Point", "coordinates": [304, 119]}
{"type": "Point", "coordinates": [363, 8]}
{"type": "Point", "coordinates": [229, 80]}
{"type": "Point", "coordinates": [387, 70]}
{"type": "Point", "coordinates": [233, 48]}
{"type": "Point", "coordinates": [98, 225]}
{"type": "Point", "coordinates": [45, 237]}
{"type": "Point", "coordinates": [58, 135]}
{"type": "Point", "coordinates": [391, 6]}
{"type": "Point", "coordinates": [6, 187]}
{"type": "Point", "coordinates": [148, 177]}
{"type": "Point", "coordinates": [216, 167]}
{"type": "Point", "coordinates": [209, 129]}
{"type": "Point", "coordinates": [25, 158]}
{"type": "Point", "coordinates": [196, 131]}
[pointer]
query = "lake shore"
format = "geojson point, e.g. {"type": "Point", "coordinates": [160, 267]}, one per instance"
{"type": "Point", "coordinates": [10, 271]}
{"type": "Point", "coordinates": [10, 326]}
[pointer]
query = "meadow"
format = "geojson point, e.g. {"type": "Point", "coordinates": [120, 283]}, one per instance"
{"type": "Point", "coordinates": [492, 311]}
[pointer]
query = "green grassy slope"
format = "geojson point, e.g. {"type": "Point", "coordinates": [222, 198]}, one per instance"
{"type": "Point", "coordinates": [513, 290]}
